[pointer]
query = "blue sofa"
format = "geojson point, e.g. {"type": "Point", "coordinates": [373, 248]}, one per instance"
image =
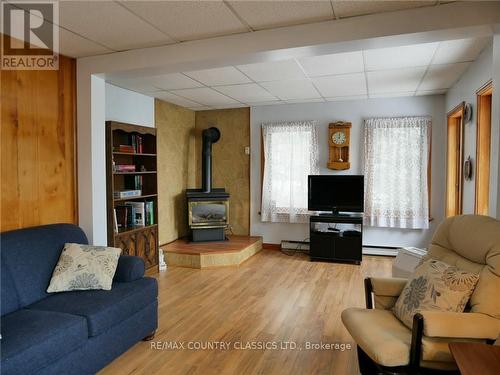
{"type": "Point", "coordinates": [73, 332]}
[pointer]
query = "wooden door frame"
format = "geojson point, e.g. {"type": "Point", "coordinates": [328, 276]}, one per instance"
{"type": "Point", "coordinates": [457, 112]}
{"type": "Point", "coordinates": [481, 93]}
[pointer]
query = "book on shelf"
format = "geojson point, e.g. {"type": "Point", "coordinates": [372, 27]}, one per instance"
{"type": "Point", "coordinates": [133, 182]}
{"type": "Point", "coordinates": [121, 194]}
{"type": "Point", "coordinates": [137, 143]}
{"type": "Point", "coordinates": [115, 222]}
{"type": "Point", "coordinates": [124, 148]}
{"type": "Point", "coordinates": [121, 217]}
{"type": "Point", "coordinates": [149, 213]}
{"type": "Point", "coordinates": [137, 213]}
{"type": "Point", "coordinates": [125, 168]}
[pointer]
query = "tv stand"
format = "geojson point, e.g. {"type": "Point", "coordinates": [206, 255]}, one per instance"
{"type": "Point", "coordinates": [332, 245]}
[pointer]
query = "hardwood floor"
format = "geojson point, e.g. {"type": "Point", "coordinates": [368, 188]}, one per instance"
{"type": "Point", "coordinates": [271, 298]}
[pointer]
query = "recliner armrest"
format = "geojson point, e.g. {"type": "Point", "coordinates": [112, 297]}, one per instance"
{"type": "Point", "coordinates": [129, 268]}
{"type": "Point", "coordinates": [460, 325]}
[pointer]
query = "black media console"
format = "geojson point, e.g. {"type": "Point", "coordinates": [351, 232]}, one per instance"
{"type": "Point", "coordinates": [336, 237]}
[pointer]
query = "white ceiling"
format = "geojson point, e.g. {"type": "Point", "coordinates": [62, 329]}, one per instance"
{"type": "Point", "coordinates": [420, 69]}
{"type": "Point", "coordinates": [97, 27]}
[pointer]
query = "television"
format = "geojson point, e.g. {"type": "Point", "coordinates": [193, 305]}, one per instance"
{"type": "Point", "coordinates": [335, 193]}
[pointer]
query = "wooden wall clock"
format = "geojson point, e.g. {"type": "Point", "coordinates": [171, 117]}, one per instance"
{"type": "Point", "coordinates": [339, 138]}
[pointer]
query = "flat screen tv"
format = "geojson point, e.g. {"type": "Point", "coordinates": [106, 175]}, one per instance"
{"type": "Point", "coordinates": [335, 193]}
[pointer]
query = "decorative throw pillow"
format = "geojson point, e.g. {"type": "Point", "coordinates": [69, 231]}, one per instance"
{"type": "Point", "coordinates": [84, 267]}
{"type": "Point", "coordinates": [435, 286]}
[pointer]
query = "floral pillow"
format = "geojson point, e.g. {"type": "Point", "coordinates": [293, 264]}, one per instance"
{"type": "Point", "coordinates": [435, 286]}
{"type": "Point", "coordinates": [84, 267]}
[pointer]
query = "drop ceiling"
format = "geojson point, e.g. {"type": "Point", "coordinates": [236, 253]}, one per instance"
{"type": "Point", "coordinates": [413, 70]}
{"type": "Point", "coordinates": [96, 27]}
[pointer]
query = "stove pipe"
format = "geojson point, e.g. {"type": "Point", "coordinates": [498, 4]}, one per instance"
{"type": "Point", "coordinates": [210, 135]}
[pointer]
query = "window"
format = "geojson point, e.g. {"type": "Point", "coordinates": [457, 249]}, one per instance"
{"type": "Point", "coordinates": [290, 154]}
{"type": "Point", "coordinates": [397, 155]}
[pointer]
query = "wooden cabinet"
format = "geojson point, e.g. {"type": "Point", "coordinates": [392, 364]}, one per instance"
{"type": "Point", "coordinates": [133, 238]}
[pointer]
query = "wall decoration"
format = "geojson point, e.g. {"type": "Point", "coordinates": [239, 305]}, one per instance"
{"type": "Point", "coordinates": [339, 138]}
{"type": "Point", "coordinates": [468, 169]}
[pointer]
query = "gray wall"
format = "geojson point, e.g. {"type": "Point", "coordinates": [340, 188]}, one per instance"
{"type": "Point", "coordinates": [478, 73]}
{"type": "Point", "coordinates": [354, 111]}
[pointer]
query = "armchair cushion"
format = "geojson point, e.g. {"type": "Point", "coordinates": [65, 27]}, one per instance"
{"type": "Point", "coordinates": [386, 291]}
{"type": "Point", "coordinates": [460, 325]}
{"type": "Point", "coordinates": [435, 286]}
{"type": "Point", "coordinates": [381, 336]}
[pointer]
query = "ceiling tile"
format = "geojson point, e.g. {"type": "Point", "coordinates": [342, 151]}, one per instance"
{"type": "Point", "coordinates": [142, 84]}
{"type": "Point", "coordinates": [399, 57]}
{"type": "Point", "coordinates": [175, 99]}
{"type": "Point", "coordinates": [393, 94]}
{"type": "Point", "coordinates": [289, 90]}
{"type": "Point", "coordinates": [343, 98]}
{"type": "Point", "coordinates": [205, 96]}
{"type": "Point", "coordinates": [430, 92]}
{"type": "Point", "coordinates": [73, 45]}
{"type": "Point", "coordinates": [269, 14]}
{"type": "Point", "coordinates": [319, 100]}
{"type": "Point", "coordinates": [272, 71]}
{"type": "Point", "coordinates": [204, 108]}
{"type": "Point", "coordinates": [272, 102]}
{"type": "Point", "coordinates": [229, 106]}
{"type": "Point", "coordinates": [248, 93]}
{"type": "Point", "coordinates": [359, 8]}
{"type": "Point", "coordinates": [227, 75]}
{"type": "Point", "coordinates": [442, 76]}
{"type": "Point", "coordinates": [398, 80]}
{"type": "Point", "coordinates": [110, 24]}
{"type": "Point", "coordinates": [174, 81]}
{"type": "Point", "coordinates": [339, 63]}
{"type": "Point", "coordinates": [461, 50]}
{"type": "Point", "coordinates": [341, 85]}
{"type": "Point", "coordinates": [188, 20]}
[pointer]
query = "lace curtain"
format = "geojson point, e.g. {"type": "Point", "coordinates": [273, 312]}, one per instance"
{"type": "Point", "coordinates": [290, 152]}
{"type": "Point", "coordinates": [396, 164]}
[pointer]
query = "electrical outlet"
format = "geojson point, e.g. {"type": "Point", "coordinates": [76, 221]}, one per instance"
{"type": "Point", "coordinates": [247, 150]}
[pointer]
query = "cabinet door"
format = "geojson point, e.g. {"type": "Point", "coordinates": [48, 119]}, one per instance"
{"type": "Point", "coordinates": [348, 248]}
{"type": "Point", "coordinates": [321, 246]}
{"type": "Point", "coordinates": [127, 242]}
{"type": "Point", "coordinates": [147, 246]}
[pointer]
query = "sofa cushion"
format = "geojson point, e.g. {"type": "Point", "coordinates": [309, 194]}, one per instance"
{"type": "Point", "coordinates": [103, 308]}
{"type": "Point", "coordinates": [380, 334]}
{"type": "Point", "coordinates": [10, 301]}
{"type": "Point", "coordinates": [33, 339]}
{"type": "Point", "coordinates": [31, 254]}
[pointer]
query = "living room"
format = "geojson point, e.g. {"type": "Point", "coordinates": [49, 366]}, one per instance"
{"type": "Point", "coordinates": [250, 187]}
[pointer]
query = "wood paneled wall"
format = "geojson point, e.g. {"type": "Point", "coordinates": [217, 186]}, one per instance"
{"type": "Point", "coordinates": [231, 166]}
{"type": "Point", "coordinates": [38, 148]}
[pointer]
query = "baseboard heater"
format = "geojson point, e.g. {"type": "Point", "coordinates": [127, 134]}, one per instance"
{"type": "Point", "coordinates": [367, 249]}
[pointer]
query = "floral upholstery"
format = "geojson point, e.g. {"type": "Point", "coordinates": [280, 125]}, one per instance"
{"type": "Point", "coordinates": [84, 267]}
{"type": "Point", "coordinates": [435, 286]}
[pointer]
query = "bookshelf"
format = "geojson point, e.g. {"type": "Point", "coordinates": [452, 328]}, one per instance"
{"type": "Point", "coordinates": [131, 162]}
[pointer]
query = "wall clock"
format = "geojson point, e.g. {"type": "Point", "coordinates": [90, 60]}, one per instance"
{"type": "Point", "coordinates": [339, 140]}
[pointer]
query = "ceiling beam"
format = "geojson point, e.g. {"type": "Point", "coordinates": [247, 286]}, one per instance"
{"type": "Point", "coordinates": [421, 25]}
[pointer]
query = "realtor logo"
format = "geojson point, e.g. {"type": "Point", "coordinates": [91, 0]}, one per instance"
{"type": "Point", "coordinates": [30, 36]}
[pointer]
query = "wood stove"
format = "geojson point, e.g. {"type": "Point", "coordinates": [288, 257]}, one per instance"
{"type": "Point", "coordinates": [208, 208]}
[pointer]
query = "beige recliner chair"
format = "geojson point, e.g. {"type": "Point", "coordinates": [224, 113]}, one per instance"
{"type": "Point", "coordinates": [469, 242]}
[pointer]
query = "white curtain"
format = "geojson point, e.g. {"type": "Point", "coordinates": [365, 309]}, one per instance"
{"type": "Point", "coordinates": [290, 152]}
{"type": "Point", "coordinates": [396, 165]}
